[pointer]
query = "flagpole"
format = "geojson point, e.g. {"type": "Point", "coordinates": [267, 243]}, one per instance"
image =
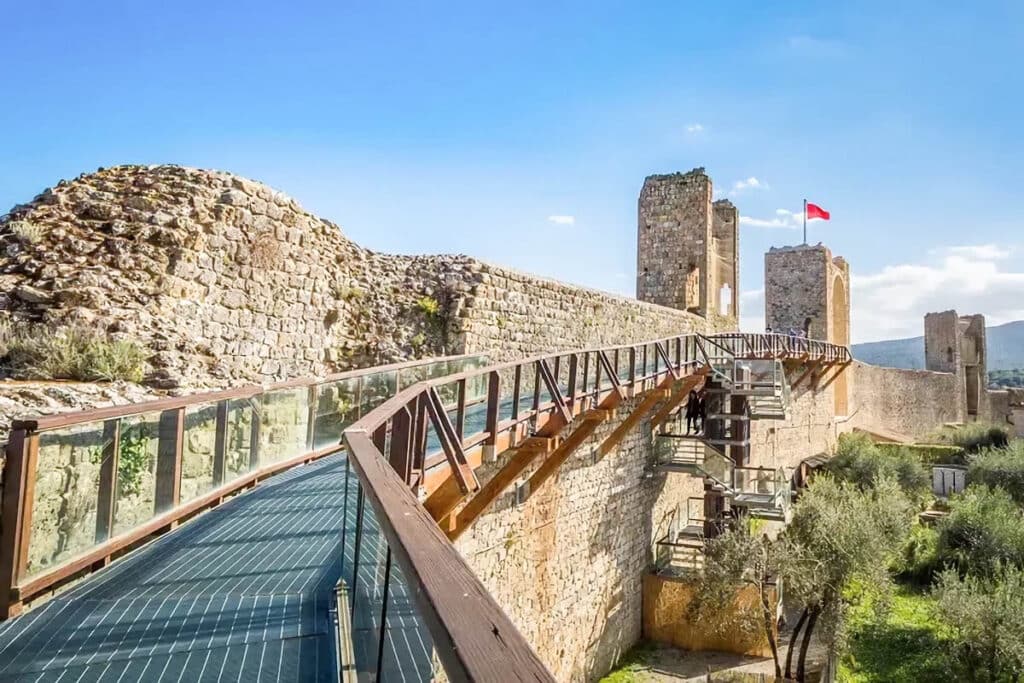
{"type": "Point", "coordinates": [805, 222]}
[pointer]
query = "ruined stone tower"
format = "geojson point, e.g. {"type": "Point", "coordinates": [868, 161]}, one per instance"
{"type": "Point", "coordinates": [805, 288]}
{"type": "Point", "coordinates": [956, 344]}
{"type": "Point", "coordinates": [687, 246]}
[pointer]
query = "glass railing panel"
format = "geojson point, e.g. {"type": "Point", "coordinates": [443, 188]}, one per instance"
{"type": "Point", "coordinates": [337, 407]}
{"type": "Point", "coordinates": [136, 490]}
{"type": "Point", "coordinates": [756, 480]}
{"type": "Point", "coordinates": [197, 452]}
{"type": "Point", "coordinates": [407, 652]}
{"type": "Point", "coordinates": [365, 575]}
{"type": "Point", "coordinates": [66, 492]}
{"type": "Point", "coordinates": [238, 454]}
{"type": "Point", "coordinates": [377, 388]}
{"type": "Point", "coordinates": [284, 424]}
{"type": "Point", "coordinates": [717, 466]}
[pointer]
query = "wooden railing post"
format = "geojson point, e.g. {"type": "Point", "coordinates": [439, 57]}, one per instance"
{"type": "Point", "coordinates": [491, 419]}
{"type": "Point", "coordinates": [18, 494]}
{"type": "Point", "coordinates": [171, 437]}
{"type": "Point", "coordinates": [107, 494]}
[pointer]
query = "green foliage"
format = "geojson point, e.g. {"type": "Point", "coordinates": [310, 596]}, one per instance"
{"type": "Point", "coordinates": [429, 306]}
{"type": "Point", "coordinates": [976, 436]}
{"type": "Point", "coordinates": [1002, 468]}
{"type": "Point", "coordinates": [984, 528]}
{"type": "Point", "coordinates": [349, 293]}
{"type": "Point", "coordinates": [132, 459]}
{"type": "Point", "coordinates": [858, 460]}
{"type": "Point", "coordinates": [925, 453]}
{"type": "Point", "coordinates": [633, 665]}
{"type": "Point", "coordinates": [919, 558]}
{"type": "Point", "coordinates": [902, 642]}
{"type": "Point", "coordinates": [842, 535]}
{"type": "Point", "coordinates": [1007, 378]}
{"type": "Point", "coordinates": [984, 617]}
{"type": "Point", "coordinates": [75, 352]}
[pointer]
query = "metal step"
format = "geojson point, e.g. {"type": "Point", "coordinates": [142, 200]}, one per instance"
{"type": "Point", "coordinates": [733, 417]}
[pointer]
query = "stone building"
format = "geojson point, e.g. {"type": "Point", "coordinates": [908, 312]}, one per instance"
{"type": "Point", "coordinates": [687, 246]}
{"type": "Point", "coordinates": [806, 288]}
{"type": "Point", "coordinates": [956, 344]}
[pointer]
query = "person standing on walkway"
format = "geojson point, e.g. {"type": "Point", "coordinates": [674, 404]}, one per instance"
{"type": "Point", "coordinates": [702, 411]}
{"type": "Point", "coordinates": [692, 411]}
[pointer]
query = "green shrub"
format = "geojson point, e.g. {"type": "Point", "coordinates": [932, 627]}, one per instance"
{"type": "Point", "coordinates": [919, 558]}
{"type": "Point", "coordinates": [74, 352]}
{"type": "Point", "coordinates": [429, 306]}
{"type": "Point", "coordinates": [984, 528]}
{"type": "Point", "coordinates": [860, 461]}
{"type": "Point", "coordinates": [1002, 468]}
{"type": "Point", "coordinates": [927, 454]}
{"type": "Point", "coordinates": [976, 436]}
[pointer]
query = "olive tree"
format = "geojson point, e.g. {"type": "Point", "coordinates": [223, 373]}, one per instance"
{"type": "Point", "coordinates": [735, 559]}
{"type": "Point", "coordinates": [984, 617]}
{"type": "Point", "coordinates": [841, 534]}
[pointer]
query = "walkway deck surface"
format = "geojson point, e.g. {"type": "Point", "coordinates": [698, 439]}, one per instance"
{"type": "Point", "coordinates": [241, 593]}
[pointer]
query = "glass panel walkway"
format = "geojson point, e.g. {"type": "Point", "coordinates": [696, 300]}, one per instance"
{"type": "Point", "coordinates": [245, 592]}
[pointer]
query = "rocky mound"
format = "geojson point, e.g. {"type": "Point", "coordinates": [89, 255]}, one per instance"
{"type": "Point", "coordinates": [220, 279]}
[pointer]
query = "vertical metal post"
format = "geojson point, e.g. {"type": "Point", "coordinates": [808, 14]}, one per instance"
{"type": "Point", "coordinates": [220, 443]}
{"type": "Point", "coordinates": [358, 547]}
{"type": "Point", "coordinates": [493, 405]}
{"type": "Point", "coordinates": [311, 399]}
{"type": "Point", "coordinates": [255, 404]}
{"type": "Point", "coordinates": [460, 413]}
{"type": "Point", "coordinates": [107, 495]}
{"type": "Point", "coordinates": [384, 614]}
{"type": "Point", "coordinates": [171, 433]}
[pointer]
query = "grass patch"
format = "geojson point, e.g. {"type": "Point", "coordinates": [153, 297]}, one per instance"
{"type": "Point", "coordinates": [903, 644]}
{"type": "Point", "coordinates": [976, 436]}
{"type": "Point", "coordinates": [633, 666]}
{"type": "Point", "coordinates": [77, 352]}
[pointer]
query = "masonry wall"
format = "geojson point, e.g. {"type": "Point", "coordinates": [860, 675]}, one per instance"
{"type": "Point", "coordinates": [911, 402]}
{"type": "Point", "coordinates": [568, 564]}
{"type": "Point", "coordinates": [810, 429]}
{"type": "Point", "coordinates": [674, 259]}
{"type": "Point", "coordinates": [796, 288]}
{"type": "Point", "coordinates": [508, 314]}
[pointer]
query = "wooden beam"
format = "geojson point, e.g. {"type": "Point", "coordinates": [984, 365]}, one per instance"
{"type": "Point", "coordinates": [648, 402]}
{"type": "Point", "coordinates": [451, 444]}
{"type": "Point", "coordinates": [554, 461]}
{"type": "Point", "coordinates": [833, 378]}
{"type": "Point", "coordinates": [501, 480]}
{"type": "Point", "coordinates": [812, 366]}
{"type": "Point", "coordinates": [822, 371]}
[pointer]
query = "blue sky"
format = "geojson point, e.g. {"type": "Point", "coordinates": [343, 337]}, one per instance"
{"type": "Point", "coordinates": [463, 126]}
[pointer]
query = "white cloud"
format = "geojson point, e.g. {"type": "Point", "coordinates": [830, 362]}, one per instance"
{"type": "Point", "coordinates": [892, 303]}
{"type": "Point", "coordinates": [562, 220]}
{"type": "Point", "coordinates": [983, 252]}
{"type": "Point", "coordinates": [694, 128]}
{"type": "Point", "coordinates": [750, 183]}
{"type": "Point", "coordinates": [784, 218]}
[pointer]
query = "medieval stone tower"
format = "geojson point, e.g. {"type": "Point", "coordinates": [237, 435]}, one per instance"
{"type": "Point", "coordinates": [687, 246]}
{"type": "Point", "coordinates": [805, 288]}
{"type": "Point", "coordinates": [956, 344]}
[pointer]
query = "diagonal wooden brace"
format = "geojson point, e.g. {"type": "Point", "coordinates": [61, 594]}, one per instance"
{"type": "Point", "coordinates": [461, 470]}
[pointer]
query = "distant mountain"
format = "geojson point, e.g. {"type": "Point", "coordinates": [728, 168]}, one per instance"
{"type": "Point", "coordinates": [1005, 350]}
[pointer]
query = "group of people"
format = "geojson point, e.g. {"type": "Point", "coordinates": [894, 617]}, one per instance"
{"type": "Point", "coordinates": [793, 332]}
{"type": "Point", "coordinates": [696, 411]}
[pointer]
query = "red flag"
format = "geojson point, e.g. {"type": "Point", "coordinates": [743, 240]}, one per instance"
{"type": "Point", "coordinates": [815, 211]}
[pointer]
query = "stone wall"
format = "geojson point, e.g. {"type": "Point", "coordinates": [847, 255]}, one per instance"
{"type": "Point", "coordinates": [674, 256]}
{"type": "Point", "coordinates": [508, 314]}
{"type": "Point", "coordinates": [911, 402]}
{"type": "Point", "coordinates": [725, 230]}
{"type": "Point", "coordinates": [811, 429]}
{"type": "Point", "coordinates": [568, 564]}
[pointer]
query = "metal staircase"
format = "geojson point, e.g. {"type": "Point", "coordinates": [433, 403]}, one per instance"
{"type": "Point", "coordinates": [738, 391]}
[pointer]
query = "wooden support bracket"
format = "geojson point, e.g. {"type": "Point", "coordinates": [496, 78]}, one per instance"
{"type": "Point", "coordinates": [674, 401]}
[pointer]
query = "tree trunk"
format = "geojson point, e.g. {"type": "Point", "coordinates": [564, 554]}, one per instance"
{"type": "Point", "coordinates": [805, 644]}
{"type": "Point", "coordinates": [769, 630]}
{"type": "Point", "coordinates": [792, 643]}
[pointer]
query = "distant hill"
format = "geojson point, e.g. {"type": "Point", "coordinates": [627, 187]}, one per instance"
{"type": "Point", "coordinates": [1005, 350]}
